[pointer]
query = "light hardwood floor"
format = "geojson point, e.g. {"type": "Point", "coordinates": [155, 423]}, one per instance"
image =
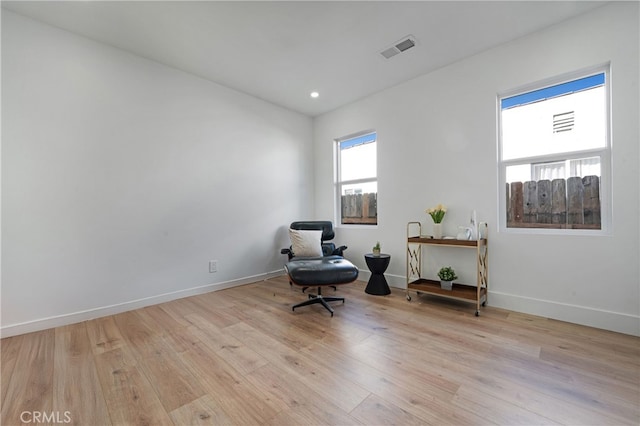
{"type": "Point", "coordinates": [240, 356]}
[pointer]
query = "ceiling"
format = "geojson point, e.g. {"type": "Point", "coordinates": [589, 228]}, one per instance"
{"type": "Point", "coordinates": [282, 51]}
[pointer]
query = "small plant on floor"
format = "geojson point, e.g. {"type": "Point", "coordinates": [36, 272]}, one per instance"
{"type": "Point", "coordinates": [447, 273]}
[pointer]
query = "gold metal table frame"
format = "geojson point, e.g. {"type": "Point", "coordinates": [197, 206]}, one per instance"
{"type": "Point", "coordinates": [477, 293]}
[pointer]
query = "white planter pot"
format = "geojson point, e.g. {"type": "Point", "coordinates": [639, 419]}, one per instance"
{"type": "Point", "coordinates": [437, 231]}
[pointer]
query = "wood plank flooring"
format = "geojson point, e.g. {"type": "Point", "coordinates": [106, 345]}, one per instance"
{"type": "Point", "coordinates": [241, 357]}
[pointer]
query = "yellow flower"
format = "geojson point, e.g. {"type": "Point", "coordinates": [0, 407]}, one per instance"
{"type": "Point", "coordinates": [437, 213]}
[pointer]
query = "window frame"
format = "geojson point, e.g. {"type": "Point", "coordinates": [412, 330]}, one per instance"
{"type": "Point", "coordinates": [604, 153]}
{"type": "Point", "coordinates": [338, 183]}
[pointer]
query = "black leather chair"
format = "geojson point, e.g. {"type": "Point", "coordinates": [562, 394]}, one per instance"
{"type": "Point", "coordinates": [328, 248]}
{"type": "Point", "coordinates": [326, 226]}
{"type": "Point", "coordinates": [330, 269]}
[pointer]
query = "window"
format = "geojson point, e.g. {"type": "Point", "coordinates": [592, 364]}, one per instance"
{"type": "Point", "coordinates": [356, 179]}
{"type": "Point", "coordinates": [554, 154]}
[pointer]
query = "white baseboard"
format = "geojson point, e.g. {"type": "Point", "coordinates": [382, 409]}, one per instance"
{"type": "Point", "coordinates": [72, 318]}
{"type": "Point", "coordinates": [614, 321]}
{"type": "Point", "coordinates": [598, 318]}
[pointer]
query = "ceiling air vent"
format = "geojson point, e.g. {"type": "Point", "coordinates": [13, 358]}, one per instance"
{"type": "Point", "coordinates": [400, 46]}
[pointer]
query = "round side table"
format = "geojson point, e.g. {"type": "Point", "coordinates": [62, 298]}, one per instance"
{"type": "Point", "coordinates": [377, 265]}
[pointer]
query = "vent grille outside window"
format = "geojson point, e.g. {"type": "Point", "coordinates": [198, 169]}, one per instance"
{"type": "Point", "coordinates": [563, 122]}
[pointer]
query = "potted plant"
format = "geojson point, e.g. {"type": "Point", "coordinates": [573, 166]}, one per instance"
{"type": "Point", "coordinates": [376, 249]}
{"type": "Point", "coordinates": [447, 275]}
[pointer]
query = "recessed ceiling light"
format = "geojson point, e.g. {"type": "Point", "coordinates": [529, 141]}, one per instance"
{"type": "Point", "coordinates": [314, 94]}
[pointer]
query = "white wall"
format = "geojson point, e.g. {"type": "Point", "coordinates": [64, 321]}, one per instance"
{"type": "Point", "coordinates": [437, 144]}
{"type": "Point", "coordinates": [122, 178]}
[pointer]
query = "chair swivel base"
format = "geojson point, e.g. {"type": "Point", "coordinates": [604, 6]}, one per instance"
{"type": "Point", "coordinates": [305, 288]}
{"type": "Point", "coordinates": [319, 298]}
{"type": "Point", "coordinates": [321, 272]}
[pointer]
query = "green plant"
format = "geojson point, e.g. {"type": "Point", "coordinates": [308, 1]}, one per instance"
{"type": "Point", "coordinates": [447, 273]}
{"type": "Point", "coordinates": [377, 246]}
{"type": "Point", "coordinates": [437, 213]}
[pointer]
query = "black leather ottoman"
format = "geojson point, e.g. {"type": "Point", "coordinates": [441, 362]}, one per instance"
{"type": "Point", "coordinates": [320, 272]}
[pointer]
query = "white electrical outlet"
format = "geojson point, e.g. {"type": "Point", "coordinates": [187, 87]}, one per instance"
{"type": "Point", "coordinates": [213, 266]}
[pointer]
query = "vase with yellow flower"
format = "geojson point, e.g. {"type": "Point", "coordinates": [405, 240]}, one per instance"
{"type": "Point", "coordinates": [437, 214]}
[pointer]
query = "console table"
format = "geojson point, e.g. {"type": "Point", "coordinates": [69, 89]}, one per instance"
{"type": "Point", "coordinates": [415, 241]}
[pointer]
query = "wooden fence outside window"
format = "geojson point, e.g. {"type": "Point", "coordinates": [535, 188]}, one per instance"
{"type": "Point", "coordinates": [573, 203]}
{"type": "Point", "coordinates": [360, 208]}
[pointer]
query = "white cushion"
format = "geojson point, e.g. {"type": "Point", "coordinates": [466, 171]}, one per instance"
{"type": "Point", "coordinates": [306, 243]}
